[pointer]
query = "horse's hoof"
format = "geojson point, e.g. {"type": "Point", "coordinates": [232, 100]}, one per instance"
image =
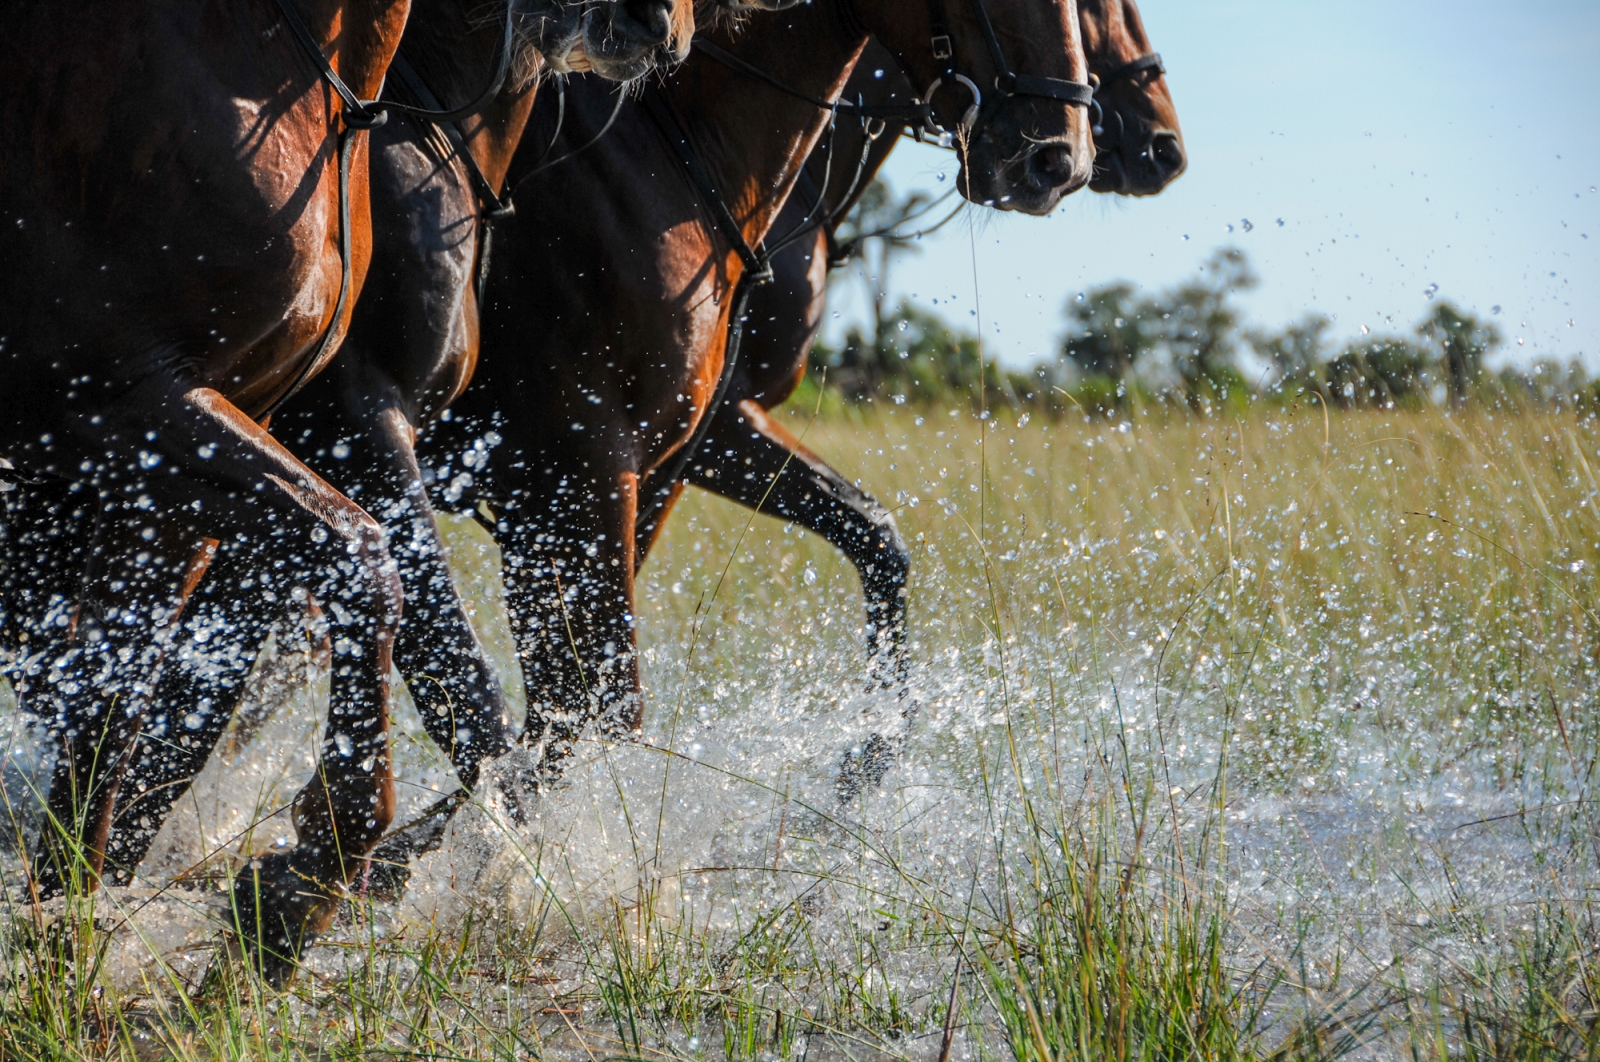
{"type": "Point", "coordinates": [278, 913]}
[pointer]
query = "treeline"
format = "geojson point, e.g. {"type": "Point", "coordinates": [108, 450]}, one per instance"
{"type": "Point", "coordinates": [1190, 347]}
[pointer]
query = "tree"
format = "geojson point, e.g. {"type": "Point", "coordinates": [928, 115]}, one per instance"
{"type": "Point", "coordinates": [872, 233]}
{"type": "Point", "coordinates": [1462, 340]}
{"type": "Point", "coordinates": [1382, 371]}
{"type": "Point", "coordinates": [1198, 324]}
{"type": "Point", "coordinates": [1106, 332]}
{"type": "Point", "coordinates": [918, 355]}
{"type": "Point", "coordinates": [1299, 352]}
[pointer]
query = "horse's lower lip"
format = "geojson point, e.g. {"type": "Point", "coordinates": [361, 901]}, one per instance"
{"type": "Point", "coordinates": [578, 58]}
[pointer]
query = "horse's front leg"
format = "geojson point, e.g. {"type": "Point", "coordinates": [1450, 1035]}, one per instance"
{"type": "Point", "coordinates": [452, 680]}
{"type": "Point", "coordinates": [569, 563]}
{"type": "Point", "coordinates": [226, 623]}
{"type": "Point", "coordinates": [140, 571]}
{"type": "Point", "coordinates": [749, 458]}
{"type": "Point", "coordinates": [202, 457]}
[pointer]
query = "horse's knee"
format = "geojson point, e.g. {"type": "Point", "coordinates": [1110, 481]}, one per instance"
{"type": "Point", "coordinates": [371, 576]}
{"type": "Point", "coordinates": [885, 564]}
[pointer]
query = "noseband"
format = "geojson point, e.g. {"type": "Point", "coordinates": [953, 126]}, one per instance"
{"type": "Point", "coordinates": [1007, 83]}
{"type": "Point", "coordinates": [1130, 69]}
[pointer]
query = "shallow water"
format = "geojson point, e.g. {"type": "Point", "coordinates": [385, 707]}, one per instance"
{"type": "Point", "coordinates": [1361, 832]}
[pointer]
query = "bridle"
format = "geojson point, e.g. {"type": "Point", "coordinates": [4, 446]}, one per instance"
{"type": "Point", "coordinates": [1131, 69]}
{"type": "Point", "coordinates": [1007, 83]}
{"type": "Point", "coordinates": [363, 116]}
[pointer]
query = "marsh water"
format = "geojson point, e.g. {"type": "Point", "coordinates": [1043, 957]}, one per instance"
{"type": "Point", "coordinates": [1249, 646]}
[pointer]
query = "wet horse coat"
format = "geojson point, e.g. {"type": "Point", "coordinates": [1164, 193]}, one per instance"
{"type": "Point", "coordinates": [632, 313]}
{"type": "Point", "coordinates": [412, 346]}
{"type": "Point", "coordinates": [749, 458]}
{"type": "Point", "coordinates": [173, 252]}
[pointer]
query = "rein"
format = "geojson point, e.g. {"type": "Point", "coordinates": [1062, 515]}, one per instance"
{"type": "Point", "coordinates": [757, 271]}
{"type": "Point", "coordinates": [362, 116]}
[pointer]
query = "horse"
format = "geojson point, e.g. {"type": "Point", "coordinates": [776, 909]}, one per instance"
{"type": "Point", "coordinates": [605, 347]}
{"type": "Point", "coordinates": [749, 458]}
{"type": "Point", "coordinates": [438, 190]}
{"type": "Point", "coordinates": [187, 230]}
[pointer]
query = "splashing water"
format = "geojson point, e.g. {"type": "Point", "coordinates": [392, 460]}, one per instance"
{"type": "Point", "coordinates": [1336, 675]}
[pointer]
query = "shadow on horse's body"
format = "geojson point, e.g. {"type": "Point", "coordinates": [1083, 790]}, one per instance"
{"type": "Point", "coordinates": [604, 342]}
{"type": "Point", "coordinates": [411, 347]}
{"type": "Point", "coordinates": [1139, 150]}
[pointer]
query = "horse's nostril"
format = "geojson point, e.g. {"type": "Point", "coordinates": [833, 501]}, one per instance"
{"type": "Point", "coordinates": [1166, 154]}
{"type": "Point", "coordinates": [647, 21]}
{"type": "Point", "coordinates": [1052, 166]}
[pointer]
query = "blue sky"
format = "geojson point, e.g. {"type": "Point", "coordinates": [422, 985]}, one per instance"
{"type": "Point", "coordinates": [1376, 149]}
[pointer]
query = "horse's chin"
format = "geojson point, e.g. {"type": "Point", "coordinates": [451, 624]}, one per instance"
{"type": "Point", "coordinates": [1109, 175]}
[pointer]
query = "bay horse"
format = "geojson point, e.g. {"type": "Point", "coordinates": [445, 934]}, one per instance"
{"type": "Point", "coordinates": [437, 190]}
{"type": "Point", "coordinates": [187, 230]}
{"type": "Point", "coordinates": [749, 458]}
{"type": "Point", "coordinates": [605, 344]}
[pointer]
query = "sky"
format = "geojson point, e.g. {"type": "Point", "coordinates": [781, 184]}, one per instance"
{"type": "Point", "coordinates": [1360, 152]}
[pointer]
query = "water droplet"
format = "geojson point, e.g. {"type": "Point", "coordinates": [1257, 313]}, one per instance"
{"type": "Point", "coordinates": [1430, 291]}
{"type": "Point", "coordinates": [1244, 223]}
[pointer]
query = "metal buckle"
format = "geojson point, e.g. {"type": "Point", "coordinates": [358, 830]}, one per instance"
{"type": "Point", "coordinates": [941, 47]}
{"type": "Point", "coordinates": [970, 118]}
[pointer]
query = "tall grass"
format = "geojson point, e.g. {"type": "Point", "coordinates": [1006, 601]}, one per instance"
{"type": "Point", "coordinates": [1239, 739]}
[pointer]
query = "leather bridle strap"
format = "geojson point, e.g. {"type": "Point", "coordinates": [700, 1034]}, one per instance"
{"type": "Point", "coordinates": [1148, 61]}
{"type": "Point", "coordinates": [656, 491]}
{"type": "Point", "coordinates": [1006, 81]}
{"type": "Point", "coordinates": [1076, 93]}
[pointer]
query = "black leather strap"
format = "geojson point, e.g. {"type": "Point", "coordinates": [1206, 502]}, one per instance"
{"type": "Point", "coordinates": [1148, 61]}
{"type": "Point", "coordinates": [369, 114]}
{"type": "Point", "coordinates": [755, 261]}
{"type": "Point", "coordinates": [1009, 84]}
{"type": "Point", "coordinates": [489, 198]}
{"type": "Point", "coordinates": [353, 104]}
{"type": "Point", "coordinates": [1051, 88]}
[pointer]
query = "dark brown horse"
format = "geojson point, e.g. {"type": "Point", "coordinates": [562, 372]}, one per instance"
{"type": "Point", "coordinates": [187, 228]}
{"type": "Point", "coordinates": [1139, 150]}
{"type": "Point", "coordinates": [604, 342]}
{"type": "Point", "coordinates": [438, 192]}
{"type": "Point", "coordinates": [175, 249]}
